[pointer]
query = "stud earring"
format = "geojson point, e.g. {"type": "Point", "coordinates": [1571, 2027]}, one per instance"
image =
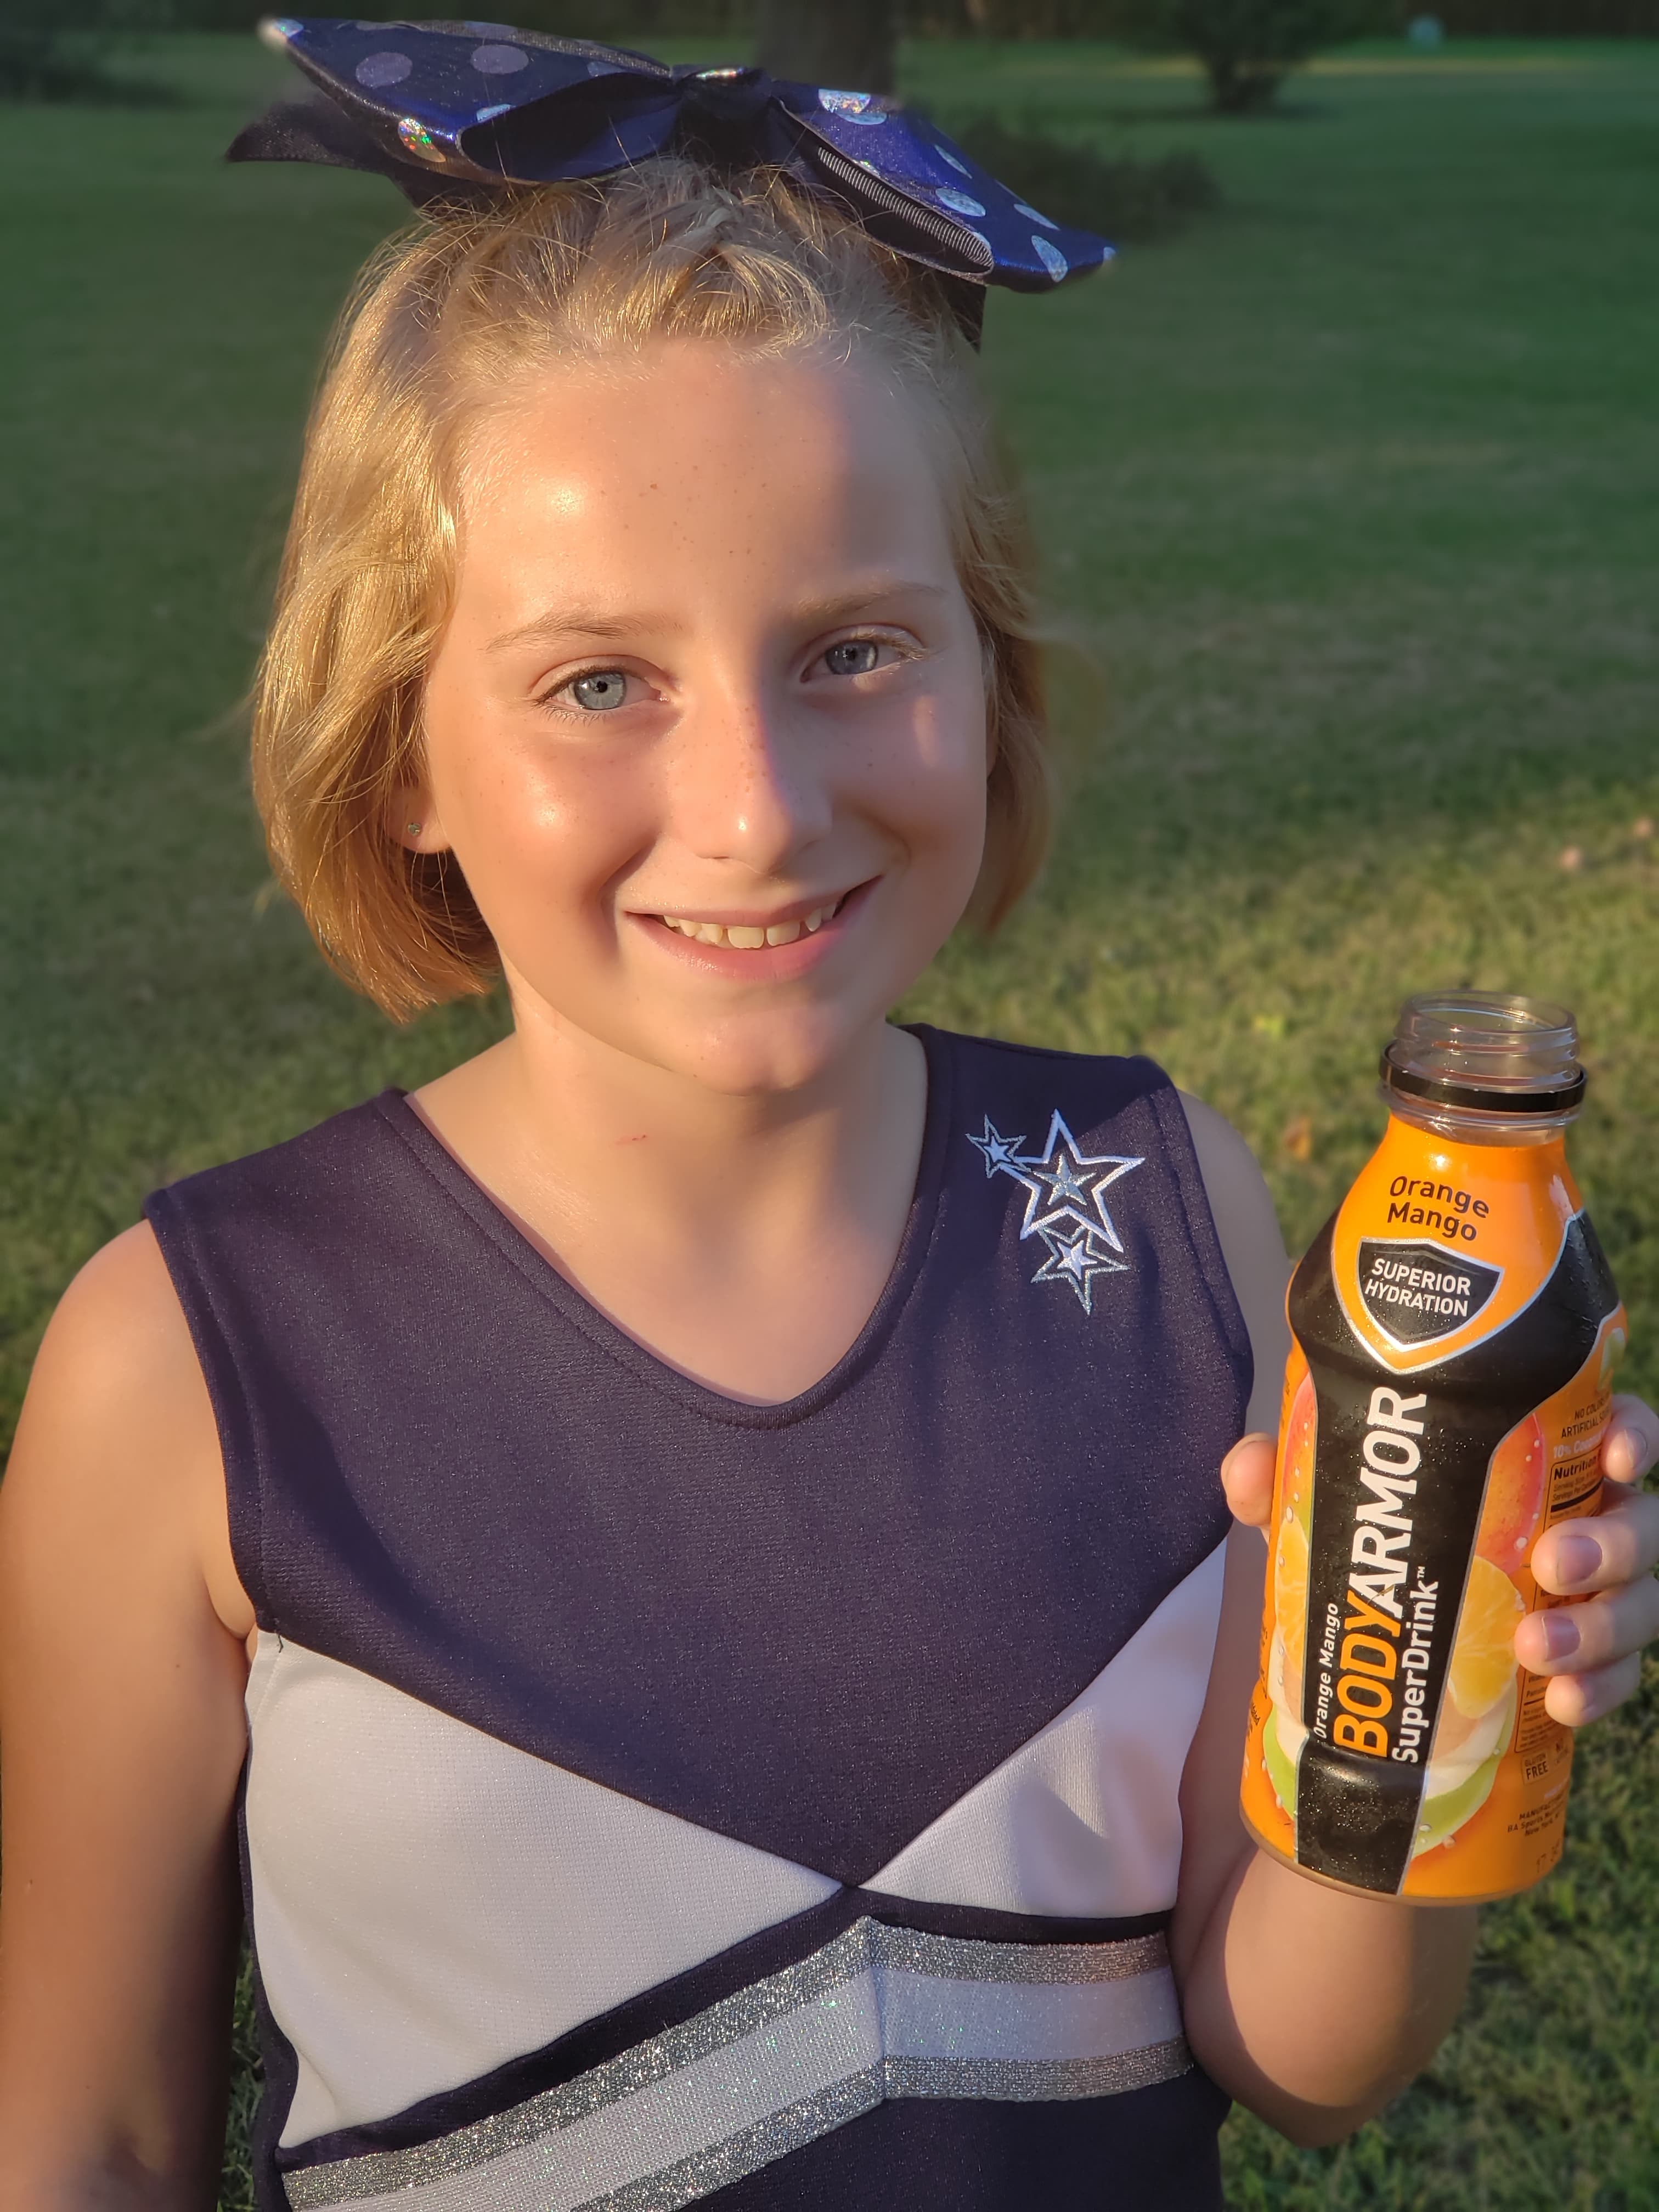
{"type": "Point", "coordinates": [413, 828]}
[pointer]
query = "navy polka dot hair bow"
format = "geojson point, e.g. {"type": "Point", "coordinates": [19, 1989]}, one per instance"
{"type": "Point", "coordinates": [453, 111]}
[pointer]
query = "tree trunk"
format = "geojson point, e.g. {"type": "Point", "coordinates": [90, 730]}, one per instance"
{"type": "Point", "coordinates": [1239, 88]}
{"type": "Point", "coordinates": [846, 44]}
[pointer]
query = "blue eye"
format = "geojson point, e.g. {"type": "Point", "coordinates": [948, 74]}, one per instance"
{"type": "Point", "coordinates": [600, 691]}
{"type": "Point", "coordinates": [853, 656]}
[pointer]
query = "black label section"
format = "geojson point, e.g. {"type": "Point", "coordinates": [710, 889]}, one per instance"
{"type": "Point", "coordinates": [1399, 1474]}
{"type": "Point", "coordinates": [1415, 1292]}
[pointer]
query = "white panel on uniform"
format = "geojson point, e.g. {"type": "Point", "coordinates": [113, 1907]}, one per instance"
{"type": "Point", "coordinates": [1084, 1819]}
{"type": "Point", "coordinates": [429, 1902]}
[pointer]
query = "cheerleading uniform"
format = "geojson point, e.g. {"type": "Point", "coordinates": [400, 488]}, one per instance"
{"type": "Point", "coordinates": [652, 1798]}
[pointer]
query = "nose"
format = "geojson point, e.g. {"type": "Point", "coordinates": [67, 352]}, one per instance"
{"type": "Point", "coordinates": [746, 786]}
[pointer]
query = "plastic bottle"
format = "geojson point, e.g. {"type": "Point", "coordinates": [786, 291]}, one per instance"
{"type": "Point", "coordinates": [1455, 1329]}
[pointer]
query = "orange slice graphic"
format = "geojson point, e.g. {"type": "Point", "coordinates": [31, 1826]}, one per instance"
{"type": "Point", "coordinates": [1291, 1595]}
{"type": "Point", "coordinates": [1483, 1658]}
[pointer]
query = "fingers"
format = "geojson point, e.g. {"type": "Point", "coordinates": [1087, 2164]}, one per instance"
{"type": "Point", "coordinates": [1601, 1551]}
{"type": "Point", "coordinates": [1575, 1700]}
{"type": "Point", "coordinates": [1592, 1652]}
{"type": "Point", "coordinates": [1247, 1477]}
{"type": "Point", "coordinates": [1632, 1442]}
{"type": "Point", "coordinates": [1576, 1639]}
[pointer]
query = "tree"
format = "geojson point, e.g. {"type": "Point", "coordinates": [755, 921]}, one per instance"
{"type": "Point", "coordinates": [847, 43]}
{"type": "Point", "coordinates": [1248, 47]}
{"type": "Point", "coordinates": [54, 49]}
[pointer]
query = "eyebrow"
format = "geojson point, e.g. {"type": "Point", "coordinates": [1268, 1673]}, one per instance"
{"type": "Point", "coordinates": [574, 622]}
{"type": "Point", "coordinates": [607, 628]}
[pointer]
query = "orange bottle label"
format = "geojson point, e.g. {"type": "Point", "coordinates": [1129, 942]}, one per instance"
{"type": "Point", "coordinates": [1456, 1331]}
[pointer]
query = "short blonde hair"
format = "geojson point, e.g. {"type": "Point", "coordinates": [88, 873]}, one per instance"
{"type": "Point", "coordinates": [454, 313]}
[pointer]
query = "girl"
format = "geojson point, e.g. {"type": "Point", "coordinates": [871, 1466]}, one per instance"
{"type": "Point", "coordinates": [688, 1551]}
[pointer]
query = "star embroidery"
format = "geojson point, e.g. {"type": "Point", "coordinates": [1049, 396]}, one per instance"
{"type": "Point", "coordinates": [1065, 1204]}
{"type": "Point", "coordinates": [1077, 1261]}
{"type": "Point", "coordinates": [1064, 1187]}
{"type": "Point", "coordinates": [999, 1152]}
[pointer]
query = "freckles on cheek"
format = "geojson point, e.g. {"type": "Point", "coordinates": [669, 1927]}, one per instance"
{"type": "Point", "coordinates": [938, 774]}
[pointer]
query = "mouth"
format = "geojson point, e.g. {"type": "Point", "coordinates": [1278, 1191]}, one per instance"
{"type": "Point", "coordinates": [758, 936]}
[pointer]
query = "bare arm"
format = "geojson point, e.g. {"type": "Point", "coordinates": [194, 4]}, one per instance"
{"type": "Point", "coordinates": [122, 1669]}
{"type": "Point", "coordinates": [1311, 2005]}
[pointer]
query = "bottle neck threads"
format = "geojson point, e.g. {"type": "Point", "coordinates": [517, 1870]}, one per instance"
{"type": "Point", "coordinates": [1484, 1067]}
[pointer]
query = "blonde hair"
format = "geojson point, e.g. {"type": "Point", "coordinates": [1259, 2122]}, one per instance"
{"type": "Point", "coordinates": [448, 318]}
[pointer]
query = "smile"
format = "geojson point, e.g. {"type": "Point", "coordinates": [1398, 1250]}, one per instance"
{"type": "Point", "coordinates": [754, 937]}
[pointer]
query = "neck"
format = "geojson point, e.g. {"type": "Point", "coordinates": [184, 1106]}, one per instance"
{"type": "Point", "coordinates": [741, 1237]}
{"type": "Point", "coordinates": [571, 1132]}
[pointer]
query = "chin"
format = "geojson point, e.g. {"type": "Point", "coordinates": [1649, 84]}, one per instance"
{"type": "Point", "coordinates": [773, 1055]}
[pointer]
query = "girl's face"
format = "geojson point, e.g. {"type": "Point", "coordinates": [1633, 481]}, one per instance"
{"type": "Point", "coordinates": [705, 730]}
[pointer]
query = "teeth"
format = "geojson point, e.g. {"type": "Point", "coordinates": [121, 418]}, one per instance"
{"type": "Point", "coordinates": [744, 938]}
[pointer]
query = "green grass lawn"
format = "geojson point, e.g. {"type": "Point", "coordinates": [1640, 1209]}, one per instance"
{"type": "Point", "coordinates": [1347, 499]}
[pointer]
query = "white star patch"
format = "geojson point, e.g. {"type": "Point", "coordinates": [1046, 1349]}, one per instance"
{"type": "Point", "coordinates": [1065, 1204]}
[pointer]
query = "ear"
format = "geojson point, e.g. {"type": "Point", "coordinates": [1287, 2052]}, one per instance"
{"type": "Point", "coordinates": [412, 820]}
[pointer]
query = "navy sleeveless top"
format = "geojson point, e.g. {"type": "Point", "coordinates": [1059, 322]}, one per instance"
{"type": "Point", "coordinates": [653, 1798]}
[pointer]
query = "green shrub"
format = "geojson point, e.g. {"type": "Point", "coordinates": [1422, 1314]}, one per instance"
{"type": "Point", "coordinates": [1122, 199]}
{"type": "Point", "coordinates": [59, 49]}
{"type": "Point", "coordinates": [1248, 47]}
{"type": "Point", "coordinates": [41, 59]}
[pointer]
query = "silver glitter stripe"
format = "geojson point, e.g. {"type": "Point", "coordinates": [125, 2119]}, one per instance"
{"type": "Point", "coordinates": [960, 1960]}
{"type": "Point", "coordinates": [1016, 2081]}
{"type": "Point", "coordinates": [804, 2123]}
{"type": "Point", "coordinates": [885, 2008]}
{"type": "Point", "coordinates": [344, 2180]}
{"type": "Point", "coordinates": [799, 2124]}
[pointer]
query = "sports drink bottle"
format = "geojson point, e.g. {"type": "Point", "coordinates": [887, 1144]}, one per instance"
{"type": "Point", "coordinates": [1454, 1332]}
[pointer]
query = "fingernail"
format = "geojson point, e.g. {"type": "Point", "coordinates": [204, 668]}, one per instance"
{"type": "Point", "coordinates": [1560, 1634]}
{"type": "Point", "coordinates": [1576, 1558]}
{"type": "Point", "coordinates": [1636, 1451]}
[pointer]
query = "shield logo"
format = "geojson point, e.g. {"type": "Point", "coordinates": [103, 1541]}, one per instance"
{"type": "Point", "coordinates": [1415, 1291]}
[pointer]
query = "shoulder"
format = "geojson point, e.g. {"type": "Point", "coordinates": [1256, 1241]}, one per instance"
{"type": "Point", "coordinates": [1240, 1201]}
{"type": "Point", "coordinates": [1121, 1100]}
{"type": "Point", "coordinates": [1247, 1229]}
{"type": "Point", "coordinates": [117, 1451]}
{"type": "Point", "coordinates": [331, 1158]}
{"type": "Point", "coordinates": [119, 1329]}
{"type": "Point", "coordinates": [1110, 1078]}
{"type": "Point", "coordinates": [1102, 1106]}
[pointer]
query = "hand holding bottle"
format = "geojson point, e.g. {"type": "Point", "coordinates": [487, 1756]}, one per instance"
{"type": "Point", "coordinates": [1592, 1675]}
{"type": "Point", "coordinates": [1455, 1333]}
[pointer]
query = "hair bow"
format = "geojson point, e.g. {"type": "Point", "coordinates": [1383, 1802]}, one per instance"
{"type": "Point", "coordinates": [453, 111]}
